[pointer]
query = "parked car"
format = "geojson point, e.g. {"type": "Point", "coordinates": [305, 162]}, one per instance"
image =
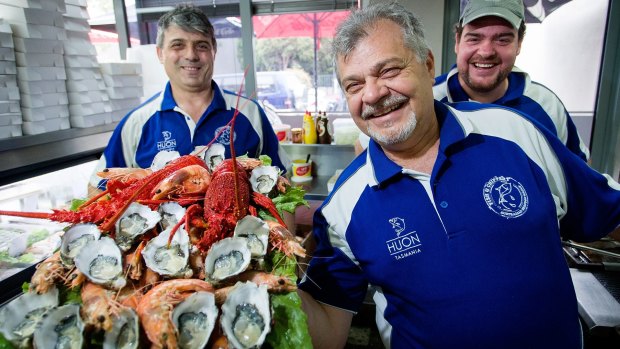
{"type": "Point", "coordinates": [283, 90]}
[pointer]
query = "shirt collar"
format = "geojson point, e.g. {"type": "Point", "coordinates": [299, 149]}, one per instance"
{"type": "Point", "coordinates": [218, 102]}
{"type": "Point", "coordinates": [451, 131]}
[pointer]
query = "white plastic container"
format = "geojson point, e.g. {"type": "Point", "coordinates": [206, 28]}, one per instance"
{"type": "Point", "coordinates": [345, 131]}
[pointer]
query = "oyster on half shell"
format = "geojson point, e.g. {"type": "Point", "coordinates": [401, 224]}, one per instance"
{"type": "Point", "coordinates": [75, 238]}
{"type": "Point", "coordinates": [61, 327]}
{"type": "Point", "coordinates": [101, 262]}
{"type": "Point", "coordinates": [246, 315]}
{"type": "Point", "coordinates": [20, 317]}
{"type": "Point", "coordinates": [135, 221]}
{"type": "Point", "coordinates": [214, 155]}
{"type": "Point", "coordinates": [264, 179]}
{"type": "Point", "coordinates": [227, 257]}
{"type": "Point", "coordinates": [171, 213]}
{"type": "Point", "coordinates": [256, 232]}
{"type": "Point", "coordinates": [125, 331]}
{"type": "Point", "coordinates": [194, 320]}
{"type": "Point", "coordinates": [168, 260]}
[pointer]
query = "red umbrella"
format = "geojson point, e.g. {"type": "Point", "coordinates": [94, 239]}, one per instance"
{"type": "Point", "coordinates": [314, 25]}
{"type": "Point", "coordinates": [97, 36]}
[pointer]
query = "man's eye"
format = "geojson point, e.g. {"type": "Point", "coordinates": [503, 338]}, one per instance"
{"type": "Point", "coordinates": [390, 72]}
{"type": "Point", "coordinates": [353, 88]}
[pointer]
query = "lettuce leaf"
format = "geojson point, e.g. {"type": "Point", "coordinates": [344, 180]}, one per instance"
{"type": "Point", "coordinates": [288, 201]}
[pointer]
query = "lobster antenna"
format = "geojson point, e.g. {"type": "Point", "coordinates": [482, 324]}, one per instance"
{"type": "Point", "coordinates": [232, 144]}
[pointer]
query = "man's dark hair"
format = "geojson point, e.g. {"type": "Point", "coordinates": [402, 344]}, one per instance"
{"type": "Point", "coordinates": [189, 18]}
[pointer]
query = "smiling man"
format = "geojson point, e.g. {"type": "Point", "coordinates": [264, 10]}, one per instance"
{"type": "Point", "coordinates": [192, 110]}
{"type": "Point", "coordinates": [430, 213]}
{"type": "Point", "coordinates": [488, 40]}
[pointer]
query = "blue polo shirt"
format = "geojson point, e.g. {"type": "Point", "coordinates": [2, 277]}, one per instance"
{"type": "Point", "coordinates": [159, 124]}
{"type": "Point", "coordinates": [526, 96]}
{"type": "Point", "coordinates": [469, 256]}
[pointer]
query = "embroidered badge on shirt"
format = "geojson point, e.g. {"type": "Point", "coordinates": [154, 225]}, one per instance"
{"type": "Point", "coordinates": [505, 196]}
{"type": "Point", "coordinates": [168, 143]}
{"type": "Point", "coordinates": [224, 136]}
{"type": "Point", "coordinates": [404, 245]}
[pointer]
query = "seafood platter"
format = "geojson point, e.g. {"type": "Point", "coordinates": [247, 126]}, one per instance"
{"type": "Point", "coordinates": [190, 253]}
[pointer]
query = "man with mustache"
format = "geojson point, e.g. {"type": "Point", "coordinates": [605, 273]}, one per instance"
{"type": "Point", "coordinates": [432, 212]}
{"type": "Point", "coordinates": [192, 109]}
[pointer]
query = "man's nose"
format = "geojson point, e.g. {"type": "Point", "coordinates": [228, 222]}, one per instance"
{"type": "Point", "coordinates": [486, 48]}
{"type": "Point", "coordinates": [374, 91]}
{"type": "Point", "coordinates": [191, 53]}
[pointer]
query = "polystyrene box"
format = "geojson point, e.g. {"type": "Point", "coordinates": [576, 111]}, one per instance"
{"type": "Point", "coordinates": [9, 107]}
{"type": "Point", "coordinates": [81, 3]}
{"type": "Point", "coordinates": [76, 47]}
{"type": "Point", "coordinates": [50, 5]}
{"type": "Point", "coordinates": [125, 103]}
{"type": "Point", "coordinates": [83, 73]}
{"type": "Point", "coordinates": [45, 113]}
{"type": "Point", "coordinates": [39, 60]}
{"type": "Point", "coordinates": [43, 86]}
{"type": "Point", "coordinates": [50, 125]}
{"type": "Point", "coordinates": [9, 93]}
{"type": "Point", "coordinates": [44, 100]}
{"type": "Point", "coordinates": [6, 40]}
{"type": "Point", "coordinates": [5, 27]}
{"type": "Point", "coordinates": [38, 31]}
{"type": "Point", "coordinates": [8, 80]}
{"type": "Point", "coordinates": [121, 68]}
{"type": "Point", "coordinates": [77, 24]}
{"type": "Point", "coordinates": [7, 54]}
{"type": "Point", "coordinates": [10, 131]}
{"type": "Point", "coordinates": [86, 61]}
{"type": "Point", "coordinates": [41, 73]}
{"type": "Point", "coordinates": [85, 85]}
{"type": "Point", "coordinates": [8, 67]}
{"type": "Point", "coordinates": [90, 120]}
{"type": "Point", "coordinates": [10, 119]}
{"type": "Point", "coordinates": [77, 35]}
{"type": "Point", "coordinates": [89, 108]}
{"type": "Point", "coordinates": [122, 80]}
{"type": "Point", "coordinates": [74, 11]}
{"type": "Point", "coordinates": [88, 97]}
{"type": "Point", "coordinates": [34, 45]}
{"type": "Point", "coordinates": [124, 92]}
{"type": "Point", "coordinates": [31, 15]}
{"type": "Point", "coordinates": [117, 115]}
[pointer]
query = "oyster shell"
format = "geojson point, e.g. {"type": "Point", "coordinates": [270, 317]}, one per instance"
{"type": "Point", "coordinates": [162, 159]}
{"type": "Point", "coordinates": [256, 232]}
{"type": "Point", "coordinates": [227, 257]}
{"type": "Point", "coordinates": [125, 332]}
{"type": "Point", "coordinates": [246, 315]}
{"type": "Point", "coordinates": [171, 213]}
{"type": "Point", "coordinates": [168, 260]}
{"type": "Point", "coordinates": [101, 262]}
{"type": "Point", "coordinates": [75, 238]}
{"type": "Point", "coordinates": [264, 179]}
{"type": "Point", "coordinates": [20, 317]}
{"type": "Point", "coordinates": [135, 221]}
{"type": "Point", "coordinates": [214, 155]}
{"type": "Point", "coordinates": [61, 327]}
{"type": "Point", "coordinates": [194, 319]}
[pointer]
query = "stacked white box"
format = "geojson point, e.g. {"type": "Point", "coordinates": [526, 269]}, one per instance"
{"type": "Point", "coordinates": [38, 32]}
{"type": "Point", "coordinates": [124, 85]}
{"type": "Point", "coordinates": [10, 113]}
{"type": "Point", "coordinates": [89, 104]}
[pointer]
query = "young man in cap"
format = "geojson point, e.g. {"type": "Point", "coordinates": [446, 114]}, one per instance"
{"type": "Point", "coordinates": [488, 39]}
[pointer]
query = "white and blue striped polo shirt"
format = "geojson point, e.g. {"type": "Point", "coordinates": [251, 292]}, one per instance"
{"type": "Point", "coordinates": [470, 256]}
{"type": "Point", "coordinates": [524, 95]}
{"type": "Point", "coordinates": [159, 124]}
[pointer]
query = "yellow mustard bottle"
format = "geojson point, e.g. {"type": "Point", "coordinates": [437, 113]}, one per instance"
{"type": "Point", "coordinates": [309, 129]}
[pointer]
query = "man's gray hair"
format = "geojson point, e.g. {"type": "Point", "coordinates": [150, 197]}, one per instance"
{"type": "Point", "coordinates": [187, 17]}
{"type": "Point", "coordinates": [356, 26]}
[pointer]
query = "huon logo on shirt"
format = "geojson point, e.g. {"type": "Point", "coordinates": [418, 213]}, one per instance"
{"type": "Point", "coordinates": [505, 196]}
{"type": "Point", "coordinates": [404, 245]}
{"type": "Point", "coordinates": [167, 143]}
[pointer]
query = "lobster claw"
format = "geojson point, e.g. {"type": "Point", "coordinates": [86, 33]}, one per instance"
{"type": "Point", "coordinates": [266, 203]}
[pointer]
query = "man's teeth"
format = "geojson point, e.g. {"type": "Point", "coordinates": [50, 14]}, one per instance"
{"type": "Point", "coordinates": [387, 110]}
{"type": "Point", "coordinates": [483, 65]}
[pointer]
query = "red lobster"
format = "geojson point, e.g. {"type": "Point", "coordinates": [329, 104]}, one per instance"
{"type": "Point", "coordinates": [106, 211]}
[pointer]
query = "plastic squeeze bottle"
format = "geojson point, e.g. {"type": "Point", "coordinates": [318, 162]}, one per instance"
{"type": "Point", "coordinates": [309, 129]}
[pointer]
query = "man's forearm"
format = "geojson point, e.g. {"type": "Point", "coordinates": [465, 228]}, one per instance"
{"type": "Point", "coordinates": [328, 326]}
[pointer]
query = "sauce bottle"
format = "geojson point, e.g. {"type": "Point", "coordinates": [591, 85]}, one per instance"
{"type": "Point", "coordinates": [309, 129]}
{"type": "Point", "coordinates": [322, 124]}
